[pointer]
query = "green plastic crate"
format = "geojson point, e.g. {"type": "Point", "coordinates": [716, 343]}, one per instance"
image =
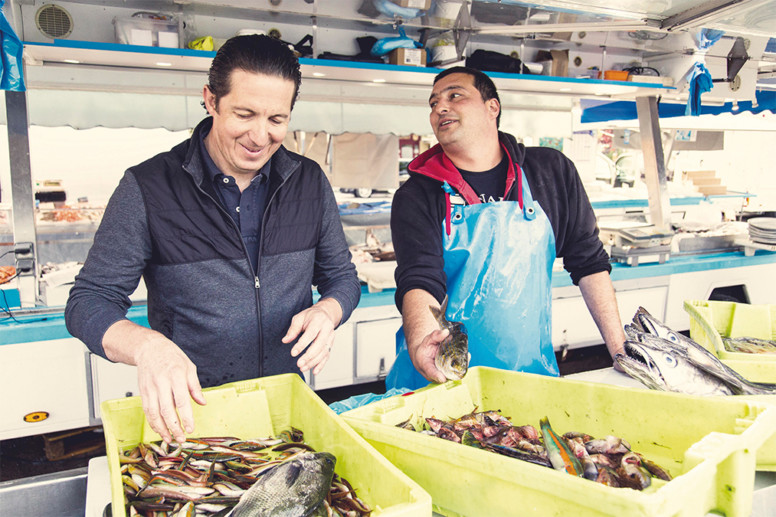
{"type": "Point", "coordinates": [264, 407]}
{"type": "Point", "coordinates": [710, 321]}
{"type": "Point", "coordinates": [708, 445]}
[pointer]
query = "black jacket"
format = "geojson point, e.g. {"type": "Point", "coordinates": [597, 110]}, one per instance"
{"type": "Point", "coordinates": [418, 212]}
{"type": "Point", "coordinates": [163, 222]}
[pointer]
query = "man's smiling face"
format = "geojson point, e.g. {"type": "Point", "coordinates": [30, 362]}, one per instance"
{"type": "Point", "coordinates": [250, 122]}
{"type": "Point", "coordinates": [458, 112]}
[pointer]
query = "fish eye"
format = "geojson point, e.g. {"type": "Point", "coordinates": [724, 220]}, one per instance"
{"type": "Point", "coordinates": [673, 337]}
{"type": "Point", "coordinates": [670, 360]}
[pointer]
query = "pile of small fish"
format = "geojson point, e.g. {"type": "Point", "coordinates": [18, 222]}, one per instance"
{"type": "Point", "coordinates": [226, 476]}
{"type": "Point", "coordinates": [609, 460]}
{"type": "Point", "coordinates": [663, 359]}
{"type": "Point", "coordinates": [749, 345]}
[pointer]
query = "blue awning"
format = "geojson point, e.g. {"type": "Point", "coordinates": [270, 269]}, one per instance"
{"type": "Point", "coordinates": [602, 111]}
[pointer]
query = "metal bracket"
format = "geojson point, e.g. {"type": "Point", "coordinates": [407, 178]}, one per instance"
{"type": "Point", "coordinates": [736, 59]}
{"type": "Point", "coordinates": [461, 32]}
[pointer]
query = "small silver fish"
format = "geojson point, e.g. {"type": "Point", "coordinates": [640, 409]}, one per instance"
{"type": "Point", "coordinates": [294, 488]}
{"type": "Point", "coordinates": [452, 358]}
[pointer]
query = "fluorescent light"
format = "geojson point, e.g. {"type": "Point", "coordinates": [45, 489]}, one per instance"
{"type": "Point", "coordinates": [378, 80]}
{"type": "Point", "coordinates": [319, 74]}
{"type": "Point", "coordinates": [72, 61]}
{"type": "Point", "coordinates": [163, 63]}
{"type": "Point", "coordinates": [565, 89]}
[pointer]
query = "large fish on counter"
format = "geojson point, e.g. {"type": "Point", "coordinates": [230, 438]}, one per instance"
{"type": "Point", "coordinates": [663, 359]}
{"type": "Point", "coordinates": [452, 358]}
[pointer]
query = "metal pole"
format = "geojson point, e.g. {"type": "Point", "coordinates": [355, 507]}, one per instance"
{"type": "Point", "coordinates": [23, 197]}
{"type": "Point", "coordinates": [654, 163]}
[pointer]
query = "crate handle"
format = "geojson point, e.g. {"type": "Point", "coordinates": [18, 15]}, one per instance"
{"type": "Point", "coordinates": [692, 308]}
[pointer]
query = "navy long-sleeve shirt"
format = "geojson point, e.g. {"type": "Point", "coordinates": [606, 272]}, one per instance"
{"type": "Point", "coordinates": [418, 212]}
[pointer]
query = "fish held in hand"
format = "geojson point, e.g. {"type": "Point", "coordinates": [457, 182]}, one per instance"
{"type": "Point", "coordinates": [452, 357]}
{"type": "Point", "coordinates": [294, 488]}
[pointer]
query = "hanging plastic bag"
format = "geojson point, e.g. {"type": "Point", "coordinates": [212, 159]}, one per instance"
{"type": "Point", "coordinates": [699, 77]}
{"type": "Point", "coordinates": [386, 45]}
{"type": "Point", "coordinates": [11, 69]}
{"type": "Point", "coordinates": [390, 9]}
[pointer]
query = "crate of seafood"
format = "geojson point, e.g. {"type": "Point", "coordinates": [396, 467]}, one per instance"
{"type": "Point", "coordinates": [738, 332]}
{"type": "Point", "coordinates": [263, 444]}
{"type": "Point", "coordinates": [510, 443]}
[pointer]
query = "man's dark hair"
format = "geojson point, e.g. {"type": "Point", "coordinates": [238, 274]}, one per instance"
{"type": "Point", "coordinates": [482, 82]}
{"type": "Point", "coordinates": [253, 53]}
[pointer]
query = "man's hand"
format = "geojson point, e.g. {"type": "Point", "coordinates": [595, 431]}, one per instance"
{"type": "Point", "coordinates": [167, 378]}
{"type": "Point", "coordinates": [423, 355]}
{"type": "Point", "coordinates": [316, 324]}
{"type": "Point", "coordinates": [165, 375]}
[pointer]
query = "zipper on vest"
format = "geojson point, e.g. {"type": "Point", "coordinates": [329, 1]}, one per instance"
{"type": "Point", "coordinates": [256, 283]}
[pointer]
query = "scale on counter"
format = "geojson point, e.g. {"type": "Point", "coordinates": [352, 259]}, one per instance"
{"type": "Point", "coordinates": [638, 243]}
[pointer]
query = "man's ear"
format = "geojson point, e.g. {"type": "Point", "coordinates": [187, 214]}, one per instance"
{"type": "Point", "coordinates": [210, 100]}
{"type": "Point", "coordinates": [494, 107]}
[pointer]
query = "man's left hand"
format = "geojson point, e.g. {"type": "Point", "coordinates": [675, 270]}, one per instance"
{"type": "Point", "coordinates": [316, 326]}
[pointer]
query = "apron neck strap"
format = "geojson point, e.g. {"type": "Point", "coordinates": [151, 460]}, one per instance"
{"type": "Point", "coordinates": [448, 209]}
{"type": "Point", "coordinates": [514, 175]}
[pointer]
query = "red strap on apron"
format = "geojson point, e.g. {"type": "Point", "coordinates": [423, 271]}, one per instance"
{"type": "Point", "coordinates": [448, 210]}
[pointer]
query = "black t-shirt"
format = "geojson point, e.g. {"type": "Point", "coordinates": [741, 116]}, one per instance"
{"type": "Point", "coordinates": [489, 185]}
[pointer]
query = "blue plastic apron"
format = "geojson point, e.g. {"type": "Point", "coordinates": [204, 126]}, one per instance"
{"type": "Point", "coordinates": [498, 260]}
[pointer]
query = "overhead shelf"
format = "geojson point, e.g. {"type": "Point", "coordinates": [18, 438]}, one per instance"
{"type": "Point", "coordinates": [89, 54]}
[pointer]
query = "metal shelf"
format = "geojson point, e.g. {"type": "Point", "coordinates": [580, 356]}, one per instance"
{"type": "Point", "coordinates": [80, 54]}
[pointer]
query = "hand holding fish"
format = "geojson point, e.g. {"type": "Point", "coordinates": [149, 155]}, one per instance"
{"type": "Point", "coordinates": [316, 326]}
{"type": "Point", "coordinates": [424, 354]}
{"type": "Point", "coordinates": [166, 376]}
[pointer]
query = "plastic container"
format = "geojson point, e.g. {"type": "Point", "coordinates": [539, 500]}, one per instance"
{"type": "Point", "coordinates": [264, 407]}
{"type": "Point", "coordinates": [707, 444]}
{"type": "Point", "coordinates": [615, 75]}
{"type": "Point", "coordinates": [148, 30]}
{"type": "Point", "coordinates": [710, 321]}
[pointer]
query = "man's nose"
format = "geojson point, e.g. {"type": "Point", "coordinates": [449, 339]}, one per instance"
{"type": "Point", "coordinates": [440, 108]}
{"type": "Point", "coordinates": [259, 133]}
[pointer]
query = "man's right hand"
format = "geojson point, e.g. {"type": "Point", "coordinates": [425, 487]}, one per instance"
{"type": "Point", "coordinates": [167, 380]}
{"type": "Point", "coordinates": [423, 355]}
{"type": "Point", "coordinates": [166, 376]}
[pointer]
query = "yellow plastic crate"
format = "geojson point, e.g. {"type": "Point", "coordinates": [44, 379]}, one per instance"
{"type": "Point", "coordinates": [710, 321]}
{"type": "Point", "coordinates": [263, 407]}
{"type": "Point", "coordinates": [708, 445]}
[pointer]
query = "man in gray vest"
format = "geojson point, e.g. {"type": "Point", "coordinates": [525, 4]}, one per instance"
{"type": "Point", "coordinates": [230, 231]}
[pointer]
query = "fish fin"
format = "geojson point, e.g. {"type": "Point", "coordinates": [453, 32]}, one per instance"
{"type": "Point", "coordinates": [439, 313]}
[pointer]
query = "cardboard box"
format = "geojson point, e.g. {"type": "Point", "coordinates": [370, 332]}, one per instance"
{"type": "Point", "coordinates": [408, 57]}
{"type": "Point", "coordinates": [414, 4]}
{"type": "Point", "coordinates": [710, 450]}
{"type": "Point", "coordinates": [555, 62]}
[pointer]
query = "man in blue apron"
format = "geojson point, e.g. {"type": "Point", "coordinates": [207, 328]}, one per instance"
{"type": "Point", "coordinates": [481, 220]}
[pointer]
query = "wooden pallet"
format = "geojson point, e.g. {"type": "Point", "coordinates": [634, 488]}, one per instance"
{"type": "Point", "coordinates": [69, 444]}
